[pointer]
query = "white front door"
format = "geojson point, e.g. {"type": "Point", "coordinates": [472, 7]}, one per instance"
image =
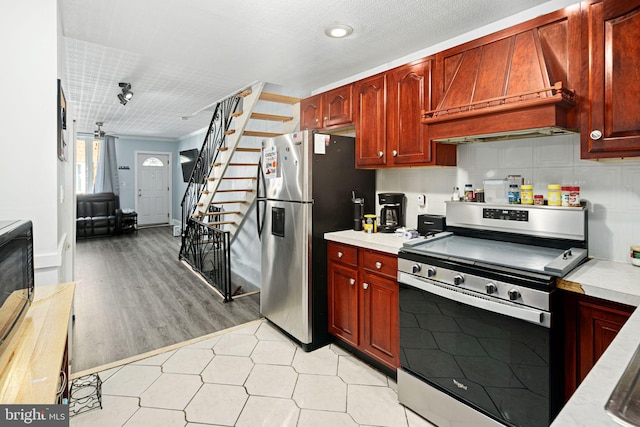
{"type": "Point", "coordinates": [153, 188]}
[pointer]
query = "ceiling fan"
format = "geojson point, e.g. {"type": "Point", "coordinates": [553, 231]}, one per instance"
{"type": "Point", "coordinates": [98, 133]}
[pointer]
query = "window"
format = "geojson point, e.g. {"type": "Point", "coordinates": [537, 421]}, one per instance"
{"type": "Point", "coordinates": [153, 162]}
{"type": "Point", "coordinates": [87, 151]}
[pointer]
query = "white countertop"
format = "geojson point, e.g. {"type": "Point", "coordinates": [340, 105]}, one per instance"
{"type": "Point", "coordinates": [383, 242]}
{"type": "Point", "coordinates": [609, 280]}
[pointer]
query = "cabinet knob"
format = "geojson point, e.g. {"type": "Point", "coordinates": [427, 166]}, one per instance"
{"type": "Point", "coordinates": [394, 153]}
{"type": "Point", "coordinates": [378, 265]}
{"type": "Point", "coordinates": [352, 281]}
{"type": "Point", "coordinates": [317, 120]}
{"type": "Point", "coordinates": [340, 254]}
{"type": "Point", "coordinates": [365, 285]}
{"type": "Point", "coordinates": [326, 118]}
{"type": "Point", "coordinates": [380, 154]}
{"type": "Point", "coordinates": [595, 134]}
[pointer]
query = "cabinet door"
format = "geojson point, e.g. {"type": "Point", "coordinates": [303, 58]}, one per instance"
{"type": "Point", "coordinates": [598, 326]}
{"type": "Point", "coordinates": [336, 107]}
{"type": "Point", "coordinates": [610, 123]}
{"type": "Point", "coordinates": [370, 121]}
{"type": "Point", "coordinates": [310, 113]}
{"type": "Point", "coordinates": [408, 94]}
{"type": "Point", "coordinates": [343, 302]}
{"type": "Point", "coordinates": [591, 324]}
{"type": "Point", "coordinates": [380, 319]}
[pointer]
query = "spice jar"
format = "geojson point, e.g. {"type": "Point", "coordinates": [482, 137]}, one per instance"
{"type": "Point", "coordinates": [554, 195]}
{"type": "Point", "coordinates": [574, 197]}
{"type": "Point", "coordinates": [468, 193]}
{"type": "Point", "coordinates": [538, 199]}
{"type": "Point", "coordinates": [526, 194]}
{"type": "Point", "coordinates": [564, 195]}
{"type": "Point", "coordinates": [514, 194]}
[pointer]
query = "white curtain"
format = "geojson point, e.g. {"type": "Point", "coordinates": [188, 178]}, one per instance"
{"type": "Point", "coordinates": [107, 171]}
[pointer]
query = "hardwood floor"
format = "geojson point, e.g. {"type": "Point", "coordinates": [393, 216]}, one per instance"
{"type": "Point", "coordinates": [134, 296]}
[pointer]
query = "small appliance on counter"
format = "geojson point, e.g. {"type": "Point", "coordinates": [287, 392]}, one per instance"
{"type": "Point", "coordinates": [431, 224]}
{"type": "Point", "coordinates": [392, 212]}
{"type": "Point", "coordinates": [358, 211]}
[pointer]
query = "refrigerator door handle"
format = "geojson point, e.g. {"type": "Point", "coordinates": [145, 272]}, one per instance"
{"type": "Point", "coordinates": [259, 177]}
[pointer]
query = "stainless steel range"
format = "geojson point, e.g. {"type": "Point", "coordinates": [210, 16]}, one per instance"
{"type": "Point", "coordinates": [478, 337]}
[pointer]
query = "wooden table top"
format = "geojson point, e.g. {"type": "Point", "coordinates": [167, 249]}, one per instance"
{"type": "Point", "coordinates": [30, 363]}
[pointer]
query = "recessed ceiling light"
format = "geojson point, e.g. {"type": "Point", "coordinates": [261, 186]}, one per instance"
{"type": "Point", "coordinates": [338, 31]}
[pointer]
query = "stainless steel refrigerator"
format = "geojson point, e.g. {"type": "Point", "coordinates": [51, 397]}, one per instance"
{"type": "Point", "coordinates": [305, 189]}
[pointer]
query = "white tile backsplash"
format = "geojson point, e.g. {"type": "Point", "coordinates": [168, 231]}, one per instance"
{"type": "Point", "coordinates": [612, 187]}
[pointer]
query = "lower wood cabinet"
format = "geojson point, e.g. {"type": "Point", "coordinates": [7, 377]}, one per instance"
{"type": "Point", "coordinates": [363, 301]}
{"type": "Point", "coordinates": [591, 324]}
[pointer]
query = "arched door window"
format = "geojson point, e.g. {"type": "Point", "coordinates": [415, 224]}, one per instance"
{"type": "Point", "coordinates": [153, 162]}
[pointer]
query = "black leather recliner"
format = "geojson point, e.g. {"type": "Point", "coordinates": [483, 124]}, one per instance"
{"type": "Point", "coordinates": [98, 215]}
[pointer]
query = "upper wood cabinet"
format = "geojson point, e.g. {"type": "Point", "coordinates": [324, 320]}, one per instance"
{"type": "Point", "coordinates": [370, 121]}
{"type": "Point", "coordinates": [388, 110]}
{"type": "Point", "coordinates": [610, 118]}
{"type": "Point", "coordinates": [328, 110]}
{"type": "Point", "coordinates": [408, 94]}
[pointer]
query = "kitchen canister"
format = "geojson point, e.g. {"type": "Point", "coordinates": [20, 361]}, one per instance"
{"type": "Point", "coordinates": [526, 194]}
{"type": "Point", "coordinates": [635, 255]}
{"type": "Point", "coordinates": [554, 195]}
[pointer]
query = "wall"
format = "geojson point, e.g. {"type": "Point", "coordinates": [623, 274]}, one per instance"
{"type": "Point", "coordinates": [610, 187]}
{"type": "Point", "coordinates": [32, 180]}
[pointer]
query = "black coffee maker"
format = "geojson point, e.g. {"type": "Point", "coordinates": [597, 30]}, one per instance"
{"type": "Point", "coordinates": [392, 212]}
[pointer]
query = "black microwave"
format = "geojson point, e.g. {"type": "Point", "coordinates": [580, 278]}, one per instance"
{"type": "Point", "coordinates": [16, 274]}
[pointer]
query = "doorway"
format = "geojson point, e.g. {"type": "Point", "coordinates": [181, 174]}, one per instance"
{"type": "Point", "coordinates": [153, 188]}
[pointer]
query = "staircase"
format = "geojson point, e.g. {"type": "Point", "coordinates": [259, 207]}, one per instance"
{"type": "Point", "coordinates": [222, 187]}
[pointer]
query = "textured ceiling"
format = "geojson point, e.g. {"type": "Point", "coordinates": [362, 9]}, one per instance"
{"type": "Point", "coordinates": [180, 56]}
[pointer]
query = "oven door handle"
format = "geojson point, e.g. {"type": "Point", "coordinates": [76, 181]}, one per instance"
{"type": "Point", "coordinates": [506, 308]}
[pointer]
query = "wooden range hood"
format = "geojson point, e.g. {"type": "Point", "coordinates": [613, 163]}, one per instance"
{"type": "Point", "coordinates": [506, 87]}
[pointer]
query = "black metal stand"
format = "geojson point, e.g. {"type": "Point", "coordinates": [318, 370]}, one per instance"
{"type": "Point", "coordinates": [129, 222]}
{"type": "Point", "coordinates": [85, 394]}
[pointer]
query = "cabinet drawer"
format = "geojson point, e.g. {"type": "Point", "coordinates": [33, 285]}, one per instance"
{"type": "Point", "coordinates": [345, 254]}
{"type": "Point", "coordinates": [380, 263]}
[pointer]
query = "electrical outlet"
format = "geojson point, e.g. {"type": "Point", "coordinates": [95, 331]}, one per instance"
{"type": "Point", "coordinates": [422, 200]}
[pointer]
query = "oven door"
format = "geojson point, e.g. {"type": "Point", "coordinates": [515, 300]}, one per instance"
{"type": "Point", "coordinates": [473, 355]}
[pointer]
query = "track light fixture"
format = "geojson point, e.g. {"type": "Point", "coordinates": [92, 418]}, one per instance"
{"type": "Point", "coordinates": [98, 133]}
{"type": "Point", "coordinates": [126, 94]}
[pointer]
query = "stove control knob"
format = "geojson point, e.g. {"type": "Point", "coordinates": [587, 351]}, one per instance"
{"type": "Point", "coordinates": [416, 268]}
{"type": "Point", "coordinates": [514, 294]}
{"type": "Point", "coordinates": [491, 288]}
{"type": "Point", "coordinates": [431, 271]}
{"type": "Point", "coordinates": [458, 280]}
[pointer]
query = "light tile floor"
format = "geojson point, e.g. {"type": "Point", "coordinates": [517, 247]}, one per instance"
{"type": "Point", "coordinates": [252, 375]}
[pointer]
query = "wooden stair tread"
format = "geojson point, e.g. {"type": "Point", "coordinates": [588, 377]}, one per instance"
{"type": "Point", "coordinates": [274, 97]}
{"type": "Point", "coordinates": [220, 223]}
{"type": "Point", "coordinates": [222, 213]}
{"type": "Point", "coordinates": [215, 165]}
{"type": "Point", "coordinates": [261, 134]}
{"type": "Point", "coordinates": [271, 117]}
{"type": "Point", "coordinates": [229, 132]}
{"type": "Point", "coordinates": [246, 149]}
{"type": "Point", "coordinates": [237, 113]}
{"type": "Point", "coordinates": [231, 177]}
{"type": "Point", "coordinates": [245, 93]}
